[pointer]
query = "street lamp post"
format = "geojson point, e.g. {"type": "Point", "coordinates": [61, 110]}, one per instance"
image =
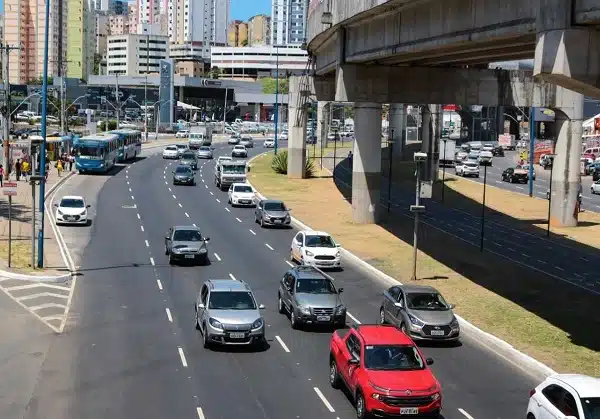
{"type": "Point", "coordinates": [444, 170]}
{"type": "Point", "coordinates": [532, 135]}
{"type": "Point", "coordinates": [482, 237]}
{"type": "Point", "coordinates": [417, 209]}
{"type": "Point", "coordinates": [391, 154]}
{"type": "Point", "coordinates": [550, 198]}
{"type": "Point", "coordinates": [276, 116]}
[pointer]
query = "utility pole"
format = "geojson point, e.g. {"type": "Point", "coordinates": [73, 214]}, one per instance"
{"type": "Point", "coordinates": [6, 50]}
{"type": "Point", "coordinates": [146, 89]}
{"type": "Point", "coordinates": [117, 95]}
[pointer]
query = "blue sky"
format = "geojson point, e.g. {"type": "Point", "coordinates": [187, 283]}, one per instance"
{"type": "Point", "coordinates": [240, 9]}
{"type": "Point", "coordinates": [243, 9]}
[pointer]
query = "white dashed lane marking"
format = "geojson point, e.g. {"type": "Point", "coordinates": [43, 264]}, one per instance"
{"type": "Point", "coordinates": [218, 257]}
{"type": "Point", "coordinates": [182, 356]}
{"type": "Point", "coordinates": [169, 316]}
{"type": "Point", "coordinates": [283, 345]}
{"type": "Point", "coordinates": [269, 246]}
{"type": "Point", "coordinates": [251, 231]}
{"type": "Point", "coordinates": [232, 277]}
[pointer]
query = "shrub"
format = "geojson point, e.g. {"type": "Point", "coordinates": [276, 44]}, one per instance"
{"type": "Point", "coordinates": [279, 164]}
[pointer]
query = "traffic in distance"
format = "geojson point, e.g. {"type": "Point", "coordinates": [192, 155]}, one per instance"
{"type": "Point", "coordinates": [380, 366]}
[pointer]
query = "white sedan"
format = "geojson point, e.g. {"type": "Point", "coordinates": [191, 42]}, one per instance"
{"type": "Point", "coordinates": [269, 143]}
{"type": "Point", "coordinates": [595, 188]}
{"type": "Point", "coordinates": [241, 194]}
{"type": "Point", "coordinates": [72, 210]}
{"type": "Point", "coordinates": [182, 134]}
{"type": "Point", "coordinates": [315, 248]}
{"type": "Point", "coordinates": [239, 151]}
{"type": "Point", "coordinates": [170, 152]}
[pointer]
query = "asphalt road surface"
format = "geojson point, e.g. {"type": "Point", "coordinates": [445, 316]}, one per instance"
{"type": "Point", "coordinates": [564, 262]}
{"type": "Point", "coordinates": [132, 349]}
{"type": "Point", "coordinates": [541, 184]}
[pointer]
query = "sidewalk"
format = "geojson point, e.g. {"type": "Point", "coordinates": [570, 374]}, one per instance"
{"type": "Point", "coordinates": [21, 230]}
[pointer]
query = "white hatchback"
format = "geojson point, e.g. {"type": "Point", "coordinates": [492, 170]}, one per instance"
{"type": "Point", "coordinates": [170, 152]}
{"type": "Point", "coordinates": [595, 188]}
{"type": "Point", "coordinates": [241, 194]}
{"type": "Point", "coordinates": [315, 248]}
{"type": "Point", "coordinates": [565, 396]}
{"type": "Point", "coordinates": [72, 210]}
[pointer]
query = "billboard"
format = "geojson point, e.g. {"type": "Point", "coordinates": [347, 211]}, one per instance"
{"type": "Point", "coordinates": [166, 91]}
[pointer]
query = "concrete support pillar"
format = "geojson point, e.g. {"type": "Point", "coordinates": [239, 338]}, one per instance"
{"type": "Point", "coordinates": [431, 132]}
{"type": "Point", "coordinates": [397, 121]}
{"type": "Point", "coordinates": [566, 173]}
{"type": "Point", "coordinates": [366, 163]}
{"type": "Point", "coordinates": [297, 119]}
{"type": "Point", "coordinates": [257, 111]}
{"type": "Point", "coordinates": [323, 118]}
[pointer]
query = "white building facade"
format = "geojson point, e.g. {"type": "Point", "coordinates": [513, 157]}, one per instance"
{"type": "Point", "coordinates": [288, 22]}
{"type": "Point", "coordinates": [129, 55]}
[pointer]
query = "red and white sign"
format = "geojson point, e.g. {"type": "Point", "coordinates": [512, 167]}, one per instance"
{"type": "Point", "coordinates": [9, 188]}
{"type": "Point", "coordinates": [450, 108]}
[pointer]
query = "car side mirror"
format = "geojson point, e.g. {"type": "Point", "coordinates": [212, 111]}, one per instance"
{"type": "Point", "coordinates": [249, 167]}
{"type": "Point", "coordinates": [207, 239]}
{"type": "Point", "coordinates": [338, 245]}
{"type": "Point", "coordinates": [340, 290]}
{"type": "Point", "coordinates": [354, 361]}
{"type": "Point", "coordinates": [451, 306]}
{"type": "Point", "coordinates": [88, 206]}
{"type": "Point", "coordinates": [429, 361]}
{"type": "Point", "coordinates": [261, 307]}
{"type": "Point", "coordinates": [56, 205]}
{"type": "Point", "coordinates": [200, 305]}
{"type": "Point", "coordinates": [289, 209]}
{"type": "Point", "coordinates": [398, 304]}
{"type": "Point", "coordinates": [167, 237]}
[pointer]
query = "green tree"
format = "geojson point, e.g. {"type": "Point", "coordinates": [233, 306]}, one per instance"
{"type": "Point", "coordinates": [269, 85]}
{"type": "Point", "coordinates": [39, 81]}
{"type": "Point", "coordinates": [215, 73]}
{"type": "Point", "coordinates": [97, 62]}
{"type": "Point", "coordinates": [245, 43]}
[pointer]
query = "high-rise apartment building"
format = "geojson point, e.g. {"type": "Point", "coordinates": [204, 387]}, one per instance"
{"type": "Point", "coordinates": [102, 32]}
{"type": "Point", "coordinates": [198, 20]}
{"type": "Point", "coordinates": [146, 10]}
{"type": "Point", "coordinates": [237, 34]}
{"type": "Point", "coordinates": [118, 24]}
{"type": "Point", "coordinates": [133, 17]}
{"type": "Point", "coordinates": [81, 39]}
{"type": "Point", "coordinates": [259, 30]}
{"type": "Point", "coordinates": [129, 54]}
{"type": "Point", "coordinates": [25, 27]}
{"type": "Point", "coordinates": [288, 22]}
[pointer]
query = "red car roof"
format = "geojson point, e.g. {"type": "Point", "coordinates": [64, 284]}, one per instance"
{"type": "Point", "coordinates": [383, 335]}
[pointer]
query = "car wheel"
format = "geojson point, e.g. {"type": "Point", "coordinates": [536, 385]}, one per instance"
{"type": "Point", "coordinates": [196, 317]}
{"type": "Point", "coordinates": [334, 375]}
{"type": "Point", "coordinates": [166, 250]}
{"type": "Point", "coordinates": [361, 409]}
{"type": "Point", "coordinates": [171, 260]}
{"type": "Point", "coordinates": [262, 223]}
{"type": "Point", "coordinates": [205, 340]}
{"type": "Point", "coordinates": [592, 191]}
{"type": "Point", "coordinates": [530, 416]}
{"type": "Point", "coordinates": [382, 316]}
{"type": "Point", "coordinates": [280, 306]}
{"type": "Point", "coordinates": [293, 320]}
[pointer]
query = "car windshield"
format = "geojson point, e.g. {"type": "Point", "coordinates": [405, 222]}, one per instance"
{"type": "Point", "coordinates": [243, 189]}
{"type": "Point", "coordinates": [181, 146]}
{"type": "Point", "coordinates": [393, 358]}
{"type": "Point", "coordinates": [171, 148]}
{"type": "Point", "coordinates": [274, 206]}
{"type": "Point", "coordinates": [591, 407]}
{"type": "Point", "coordinates": [315, 286]}
{"type": "Point", "coordinates": [231, 300]}
{"type": "Point", "coordinates": [72, 203]}
{"type": "Point", "coordinates": [234, 169]}
{"type": "Point", "coordinates": [187, 236]}
{"type": "Point", "coordinates": [182, 170]}
{"type": "Point", "coordinates": [239, 147]}
{"type": "Point", "coordinates": [188, 156]}
{"type": "Point", "coordinates": [426, 301]}
{"type": "Point", "coordinates": [471, 165]}
{"type": "Point", "coordinates": [319, 241]}
{"type": "Point", "coordinates": [204, 148]}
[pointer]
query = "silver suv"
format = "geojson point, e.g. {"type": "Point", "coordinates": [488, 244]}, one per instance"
{"type": "Point", "coordinates": [227, 314]}
{"type": "Point", "coordinates": [310, 297]}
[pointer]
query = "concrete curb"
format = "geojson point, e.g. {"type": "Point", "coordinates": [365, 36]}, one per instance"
{"type": "Point", "coordinates": [499, 346]}
{"type": "Point", "coordinates": [41, 278]}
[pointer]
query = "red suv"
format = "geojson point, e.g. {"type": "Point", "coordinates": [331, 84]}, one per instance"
{"type": "Point", "coordinates": [385, 372]}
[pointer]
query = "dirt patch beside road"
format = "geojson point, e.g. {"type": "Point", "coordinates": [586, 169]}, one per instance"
{"type": "Point", "coordinates": [552, 321]}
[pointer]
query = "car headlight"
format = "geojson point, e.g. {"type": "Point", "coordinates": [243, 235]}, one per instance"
{"type": "Point", "coordinates": [215, 323]}
{"type": "Point", "coordinates": [59, 212]}
{"type": "Point", "coordinates": [203, 249]}
{"type": "Point", "coordinates": [304, 310]}
{"type": "Point", "coordinates": [176, 250]}
{"type": "Point", "coordinates": [415, 321]}
{"type": "Point", "coordinates": [454, 324]}
{"type": "Point", "coordinates": [309, 253]}
{"type": "Point", "coordinates": [258, 323]}
{"type": "Point", "coordinates": [435, 396]}
{"type": "Point", "coordinates": [338, 254]}
{"type": "Point", "coordinates": [341, 309]}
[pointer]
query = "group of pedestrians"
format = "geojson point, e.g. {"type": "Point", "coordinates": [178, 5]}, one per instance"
{"type": "Point", "coordinates": [65, 162]}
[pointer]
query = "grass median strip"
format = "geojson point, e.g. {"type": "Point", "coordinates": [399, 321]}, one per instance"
{"type": "Point", "coordinates": [549, 320]}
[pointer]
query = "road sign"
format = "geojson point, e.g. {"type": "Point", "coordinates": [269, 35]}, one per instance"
{"type": "Point", "coordinates": [9, 188]}
{"type": "Point", "coordinates": [426, 189]}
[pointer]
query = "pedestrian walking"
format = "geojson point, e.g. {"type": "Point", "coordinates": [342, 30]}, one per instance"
{"type": "Point", "coordinates": [1, 175]}
{"type": "Point", "coordinates": [18, 169]}
{"type": "Point", "coordinates": [59, 167]}
{"type": "Point", "coordinates": [350, 156]}
{"type": "Point", "coordinates": [47, 170]}
{"type": "Point", "coordinates": [71, 160]}
{"type": "Point", "coordinates": [25, 169]}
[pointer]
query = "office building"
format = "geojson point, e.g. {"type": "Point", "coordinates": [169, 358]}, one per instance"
{"type": "Point", "coordinates": [256, 62]}
{"type": "Point", "coordinates": [288, 21]}
{"type": "Point", "coordinates": [259, 30]}
{"type": "Point", "coordinates": [25, 26]}
{"type": "Point", "coordinates": [237, 34]}
{"type": "Point", "coordinates": [80, 39]}
{"type": "Point", "coordinates": [129, 54]}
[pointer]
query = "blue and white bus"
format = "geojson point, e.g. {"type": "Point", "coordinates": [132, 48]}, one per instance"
{"type": "Point", "coordinates": [132, 144]}
{"type": "Point", "coordinates": [96, 153]}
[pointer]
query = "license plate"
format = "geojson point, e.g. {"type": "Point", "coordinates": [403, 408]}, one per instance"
{"type": "Point", "coordinates": [409, 410]}
{"type": "Point", "coordinates": [323, 318]}
{"type": "Point", "coordinates": [437, 333]}
{"type": "Point", "coordinates": [237, 335]}
{"type": "Point", "coordinates": [245, 202]}
{"type": "Point", "coordinates": [277, 221]}
{"type": "Point", "coordinates": [189, 256]}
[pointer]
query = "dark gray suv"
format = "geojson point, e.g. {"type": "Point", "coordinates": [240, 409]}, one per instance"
{"type": "Point", "coordinates": [310, 297]}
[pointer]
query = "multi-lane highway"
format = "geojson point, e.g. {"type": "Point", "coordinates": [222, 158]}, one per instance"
{"type": "Point", "coordinates": [568, 262]}
{"type": "Point", "coordinates": [130, 348]}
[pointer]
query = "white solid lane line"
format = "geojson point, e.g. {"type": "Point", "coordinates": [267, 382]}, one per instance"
{"type": "Point", "coordinates": [152, 261]}
{"type": "Point", "coordinates": [269, 246]}
{"type": "Point", "coordinates": [252, 232]}
{"type": "Point", "coordinates": [324, 400]}
{"type": "Point", "coordinates": [182, 356]}
{"type": "Point", "coordinates": [227, 209]}
{"type": "Point", "coordinates": [465, 414]}
{"type": "Point", "coordinates": [238, 219]}
{"type": "Point", "coordinates": [147, 244]}
{"type": "Point", "coordinates": [232, 277]}
{"type": "Point", "coordinates": [289, 263]}
{"type": "Point", "coordinates": [218, 257]}
{"type": "Point", "coordinates": [283, 345]}
{"type": "Point", "coordinates": [169, 316]}
{"type": "Point", "coordinates": [139, 217]}
{"type": "Point", "coordinates": [200, 413]}
{"type": "Point", "coordinates": [354, 319]}
{"type": "Point", "coordinates": [159, 284]}
{"type": "Point", "coordinates": [187, 215]}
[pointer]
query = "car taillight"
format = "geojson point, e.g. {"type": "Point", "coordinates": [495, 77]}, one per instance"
{"type": "Point", "coordinates": [531, 392]}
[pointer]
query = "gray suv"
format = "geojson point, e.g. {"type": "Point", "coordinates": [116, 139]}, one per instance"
{"type": "Point", "coordinates": [419, 311]}
{"type": "Point", "coordinates": [227, 314]}
{"type": "Point", "coordinates": [310, 297]}
{"type": "Point", "coordinates": [186, 243]}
